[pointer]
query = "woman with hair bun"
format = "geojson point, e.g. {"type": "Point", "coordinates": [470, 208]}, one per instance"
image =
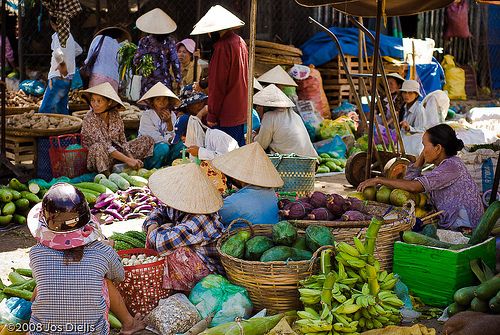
{"type": "Point", "coordinates": [449, 185]}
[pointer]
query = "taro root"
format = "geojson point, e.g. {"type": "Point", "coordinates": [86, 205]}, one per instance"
{"type": "Point", "coordinates": [354, 216]}
{"type": "Point", "coordinates": [304, 200]}
{"type": "Point", "coordinates": [296, 210]}
{"type": "Point", "coordinates": [321, 214]}
{"type": "Point", "coordinates": [356, 205]}
{"type": "Point", "coordinates": [318, 199]}
{"type": "Point", "coordinates": [335, 204]}
{"type": "Point", "coordinates": [283, 202]}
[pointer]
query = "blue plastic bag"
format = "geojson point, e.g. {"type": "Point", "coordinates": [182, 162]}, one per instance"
{"type": "Point", "coordinates": [215, 294]}
{"type": "Point", "coordinates": [15, 310]}
{"type": "Point", "coordinates": [334, 144]}
{"type": "Point", "coordinates": [76, 82]}
{"type": "Point", "coordinates": [33, 87]}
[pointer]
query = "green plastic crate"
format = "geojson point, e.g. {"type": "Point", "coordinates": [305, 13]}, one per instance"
{"type": "Point", "coordinates": [434, 274]}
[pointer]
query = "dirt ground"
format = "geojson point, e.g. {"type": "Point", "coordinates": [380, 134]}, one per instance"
{"type": "Point", "coordinates": [16, 244]}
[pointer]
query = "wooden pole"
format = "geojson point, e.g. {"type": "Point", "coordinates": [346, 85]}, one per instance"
{"type": "Point", "coordinates": [251, 61]}
{"type": "Point", "coordinates": [2, 84]}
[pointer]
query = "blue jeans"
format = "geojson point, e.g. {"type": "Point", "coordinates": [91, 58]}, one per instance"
{"type": "Point", "coordinates": [55, 99]}
{"type": "Point", "coordinates": [163, 154]}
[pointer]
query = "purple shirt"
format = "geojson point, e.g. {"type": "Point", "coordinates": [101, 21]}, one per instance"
{"type": "Point", "coordinates": [451, 189]}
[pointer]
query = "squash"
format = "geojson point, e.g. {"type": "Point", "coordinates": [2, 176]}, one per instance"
{"type": "Point", "coordinates": [279, 253]}
{"type": "Point", "coordinates": [235, 245]}
{"type": "Point", "coordinates": [494, 303]}
{"type": "Point", "coordinates": [464, 295]}
{"type": "Point", "coordinates": [478, 305]}
{"type": "Point", "coordinates": [256, 246]}
{"type": "Point", "coordinates": [318, 236]}
{"type": "Point", "coordinates": [488, 289]}
{"type": "Point", "coordinates": [284, 233]}
{"type": "Point", "coordinates": [486, 224]}
{"type": "Point", "coordinates": [421, 239]}
{"type": "Point", "coordinates": [430, 230]}
{"type": "Point", "coordinates": [455, 308]}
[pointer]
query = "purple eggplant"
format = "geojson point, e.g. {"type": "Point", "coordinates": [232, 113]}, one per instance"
{"type": "Point", "coordinates": [297, 210]}
{"type": "Point", "coordinates": [356, 205]}
{"type": "Point", "coordinates": [104, 202]}
{"type": "Point", "coordinates": [355, 216]}
{"type": "Point", "coordinates": [114, 214]}
{"type": "Point", "coordinates": [318, 199]}
{"type": "Point", "coordinates": [133, 216]}
{"type": "Point", "coordinates": [143, 208]}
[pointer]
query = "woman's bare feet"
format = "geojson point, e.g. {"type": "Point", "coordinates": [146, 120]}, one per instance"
{"type": "Point", "coordinates": [136, 324]}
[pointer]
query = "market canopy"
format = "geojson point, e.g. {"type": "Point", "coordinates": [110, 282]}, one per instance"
{"type": "Point", "coordinates": [368, 8]}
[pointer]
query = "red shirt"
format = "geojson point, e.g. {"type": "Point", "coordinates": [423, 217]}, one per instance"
{"type": "Point", "coordinates": [228, 82]}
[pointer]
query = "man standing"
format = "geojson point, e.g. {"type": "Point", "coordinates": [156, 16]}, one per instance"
{"type": "Point", "coordinates": [227, 72]}
{"type": "Point", "coordinates": [62, 69]}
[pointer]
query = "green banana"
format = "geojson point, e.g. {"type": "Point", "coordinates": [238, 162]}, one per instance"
{"type": "Point", "coordinates": [312, 312]}
{"type": "Point", "coordinates": [348, 249]}
{"type": "Point", "coordinates": [381, 276]}
{"type": "Point", "coordinates": [359, 246]}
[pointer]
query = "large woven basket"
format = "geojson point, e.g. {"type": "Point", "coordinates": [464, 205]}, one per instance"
{"type": "Point", "coordinates": [25, 132]}
{"type": "Point", "coordinates": [296, 171]}
{"type": "Point", "coordinates": [20, 110]}
{"type": "Point", "coordinates": [271, 285]}
{"type": "Point", "coordinates": [397, 220]}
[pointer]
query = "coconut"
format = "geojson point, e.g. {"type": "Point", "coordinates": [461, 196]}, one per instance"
{"type": "Point", "coordinates": [384, 195]}
{"type": "Point", "coordinates": [370, 193]}
{"type": "Point", "coordinates": [400, 197]}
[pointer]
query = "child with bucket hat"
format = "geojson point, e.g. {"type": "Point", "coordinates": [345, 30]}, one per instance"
{"type": "Point", "coordinates": [253, 173]}
{"type": "Point", "coordinates": [74, 269]}
{"type": "Point", "coordinates": [415, 119]}
{"type": "Point", "coordinates": [161, 47]}
{"type": "Point", "coordinates": [228, 68]}
{"type": "Point", "coordinates": [186, 225]}
{"type": "Point", "coordinates": [158, 122]}
{"type": "Point", "coordinates": [103, 133]}
{"type": "Point", "coordinates": [281, 129]}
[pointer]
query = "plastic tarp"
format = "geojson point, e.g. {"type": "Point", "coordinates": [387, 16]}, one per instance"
{"type": "Point", "coordinates": [320, 48]}
{"type": "Point", "coordinates": [431, 76]}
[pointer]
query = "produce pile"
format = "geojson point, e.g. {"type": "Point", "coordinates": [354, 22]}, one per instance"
{"type": "Point", "coordinates": [131, 112]}
{"type": "Point", "coordinates": [330, 162]}
{"type": "Point", "coordinates": [284, 244]}
{"type": "Point", "coordinates": [129, 240]}
{"type": "Point", "coordinates": [32, 120]}
{"type": "Point", "coordinates": [355, 296]}
{"type": "Point", "coordinates": [75, 97]}
{"type": "Point", "coordinates": [21, 99]}
{"type": "Point", "coordinates": [16, 200]}
{"type": "Point", "coordinates": [324, 207]}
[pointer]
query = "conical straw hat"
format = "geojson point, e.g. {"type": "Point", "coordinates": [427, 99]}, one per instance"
{"type": "Point", "coordinates": [277, 76]}
{"type": "Point", "coordinates": [186, 188]}
{"type": "Point", "coordinates": [272, 96]}
{"type": "Point", "coordinates": [158, 90]}
{"type": "Point", "coordinates": [216, 19]}
{"type": "Point", "coordinates": [156, 22]}
{"type": "Point", "coordinates": [256, 85]}
{"type": "Point", "coordinates": [249, 164]}
{"type": "Point", "coordinates": [395, 76]}
{"type": "Point", "coordinates": [104, 89]}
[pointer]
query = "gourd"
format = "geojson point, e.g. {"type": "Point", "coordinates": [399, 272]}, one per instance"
{"type": "Point", "coordinates": [235, 245]}
{"type": "Point", "coordinates": [284, 233]}
{"type": "Point", "coordinates": [256, 246]}
{"type": "Point", "coordinates": [318, 236]}
{"type": "Point", "coordinates": [486, 224]}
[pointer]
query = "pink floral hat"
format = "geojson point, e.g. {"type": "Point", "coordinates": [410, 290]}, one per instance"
{"type": "Point", "coordinates": [61, 240]}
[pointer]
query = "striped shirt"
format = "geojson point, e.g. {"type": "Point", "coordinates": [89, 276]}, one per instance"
{"type": "Point", "coordinates": [70, 297]}
{"type": "Point", "coordinates": [177, 229]}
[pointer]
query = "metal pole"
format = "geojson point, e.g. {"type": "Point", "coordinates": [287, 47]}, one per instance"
{"type": "Point", "coordinates": [368, 164]}
{"type": "Point", "coordinates": [20, 44]}
{"type": "Point", "coordinates": [251, 61]}
{"type": "Point", "coordinates": [2, 85]}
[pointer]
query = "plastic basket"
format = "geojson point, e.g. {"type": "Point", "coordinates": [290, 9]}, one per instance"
{"type": "Point", "coordinates": [142, 288]}
{"type": "Point", "coordinates": [296, 171]}
{"type": "Point", "coordinates": [64, 162]}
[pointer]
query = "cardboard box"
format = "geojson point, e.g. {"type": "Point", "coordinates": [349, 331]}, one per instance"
{"type": "Point", "coordinates": [434, 274]}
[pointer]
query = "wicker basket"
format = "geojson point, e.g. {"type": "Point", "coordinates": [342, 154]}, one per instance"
{"type": "Point", "coordinates": [296, 171]}
{"type": "Point", "coordinates": [78, 106]}
{"type": "Point", "coordinates": [142, 288]}
{"type": "Point", "coordinates": [26, 132]}
{"type": "Point", "coordinates": [271, 285]}
{"type": "Point", "coordinates": [399, 219]}
{"type": "Point", "coordinates": [20, 110]}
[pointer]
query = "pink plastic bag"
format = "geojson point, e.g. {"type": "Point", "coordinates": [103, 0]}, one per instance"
{"type": "Point", "coordinates": [312, 89]}
{"type": "Point", "coordinates": [183, 269]}
{"type": "Point", "coordinates": [457, 18]}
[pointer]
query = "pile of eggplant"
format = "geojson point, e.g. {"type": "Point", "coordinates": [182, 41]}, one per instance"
{"type": "Point", "coordinates": [135, 202]}
{"type": "Point", "coordinates": [324, 207]}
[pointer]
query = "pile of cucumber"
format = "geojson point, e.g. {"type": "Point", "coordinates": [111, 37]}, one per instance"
{"type": "Point", "coordinates": [16, 200]}
{"type": "Point", "coordinates": [330, 162]}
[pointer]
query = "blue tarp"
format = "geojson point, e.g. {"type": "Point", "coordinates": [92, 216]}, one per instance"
{"type": "Point", "coordinates": [494, 44]}
{"type": "Point", "coordinates": [321, 49]}
{"type": "Point", "coordinates": [431, 76]}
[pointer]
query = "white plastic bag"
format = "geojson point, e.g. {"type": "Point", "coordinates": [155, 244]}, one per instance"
{"type": "Point", "coordinates": [133, 90]}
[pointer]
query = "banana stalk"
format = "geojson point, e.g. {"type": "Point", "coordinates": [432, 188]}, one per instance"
{"type": "Point", "coordinates": [371, 234]}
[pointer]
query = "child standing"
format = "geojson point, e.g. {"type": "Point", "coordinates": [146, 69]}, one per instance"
{"type": "Point", "coordinates": [415, 120]}
{"type": "Point", "coordinates": [74, 269]}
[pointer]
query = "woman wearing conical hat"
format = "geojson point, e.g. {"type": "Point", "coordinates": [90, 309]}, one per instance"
{"type": "Point", "coordinates": [103, 133]}
{"type": "Point", "coordinates": [158, 122]}
{"type": "Point", "coordinates": [281, 130]}
{"type": "Point", "coordinates": [279, 77]}
{"type": "Point", "coordinates": [186, 225]}
{"type": "Point", "coordinates": [256, 178]}
{"type": "Point", "coordinates": [159, 46]}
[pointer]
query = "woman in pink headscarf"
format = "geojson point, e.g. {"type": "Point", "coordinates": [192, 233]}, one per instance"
{"type": "Point", "coordinates": [186, 50]}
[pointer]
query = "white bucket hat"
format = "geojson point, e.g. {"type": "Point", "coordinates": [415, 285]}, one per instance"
{"type": "Point", "coordinates": [249, 164]}
{"type": "Point", "coordinates": [158, 90]}
{"type": "Point", "coordinates": [156, 22]}
{"type": "Point", "coordinates": [186, 188]}
{"type": "Point", "coordinates": [216, 19]}
{"type": "Point", "coordinates": [277, 76]}
{"type": "Point", "coordinates": [272, 96]}
{"type": "Point", "coordinates": [411, 86]}
{"type": "Point", "coordinates": [256, 85]}
{"type": "Point", "coordinates": [104, 89]}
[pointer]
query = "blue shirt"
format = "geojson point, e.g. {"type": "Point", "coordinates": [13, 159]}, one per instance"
{"type": "Point", "coordinates": [259, 205]}
{"type": "Point", "coordinates": [106, 63]}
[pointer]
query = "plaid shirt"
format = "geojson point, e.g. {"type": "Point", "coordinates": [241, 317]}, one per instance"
{"type": "Point", "coordinates": [63, 11]}
{"type": "Point", "coordinates": [177, 229]}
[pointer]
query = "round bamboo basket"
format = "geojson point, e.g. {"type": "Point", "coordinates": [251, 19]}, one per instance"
{"type": "Point", "coordinates": [277, 46]}
{"type": "Point", "coordinates": [269, 51]}
{"type": "Point", "coordinates": [131, 124]}
{"type": "Point", "coordinates": [28, 132]}
{"type": "Point", "coordinates": [20, 110]}
{"type": "Point", "coordinates": [397, 220]}
{"type": "Point", "coordinates": [80, 114]}
{"type": "Point", "coordinates": [78, 106]}
{"type": "Point", "coordinates": [270, 285]}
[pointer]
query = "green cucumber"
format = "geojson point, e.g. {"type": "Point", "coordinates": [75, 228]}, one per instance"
{"type": "Point", "coordinates": [24, 272]}
{"type": "Point", "coordinates": [5, 195]}
{"type": "Point", "coordinates": [19, 219]}
{"type": "Point", "coordinates": [113, 321]}
{"type": "Point", "coordinates": [23, 294]}
{"type": "Point", "coordinates": [89, 196]}
{"type": "Point", "coordinates": [109, 184]}
{"type": "Point", "coordinates": [421, 239]}
{"type": "Point", "coordinates": [16, 279]}
{"type": "Point", "coordinates": [488, 289]}
{"type": "Point", "coordinates": [92, 186]}
{"type": "Point", "coordinates": [22, 204]}
{"type": "Point", "coordinates": [33, 198]}
{"type": "Point", "coordinates": [99, 177]}
{"type": "Point", "coordinates": [478, 305]}
{"type": "Point", "coordinates": [464, 295]}
{"type": "Point", "coordinates": [486, 224]}
{"type": "Point", "coordinates": [121, 182]}
{"type": "Point", "coordinates": [9, 208]}
{"type": "Point", "coordinates": [17, 185]}
{"type": "Point", "coordinates": [5, 219]}
{"type": "Point", "coordinates": [134, 180]}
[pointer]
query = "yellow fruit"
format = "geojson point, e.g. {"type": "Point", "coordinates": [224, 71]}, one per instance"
{"type": "Point", "coordinates": [357, 195]}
